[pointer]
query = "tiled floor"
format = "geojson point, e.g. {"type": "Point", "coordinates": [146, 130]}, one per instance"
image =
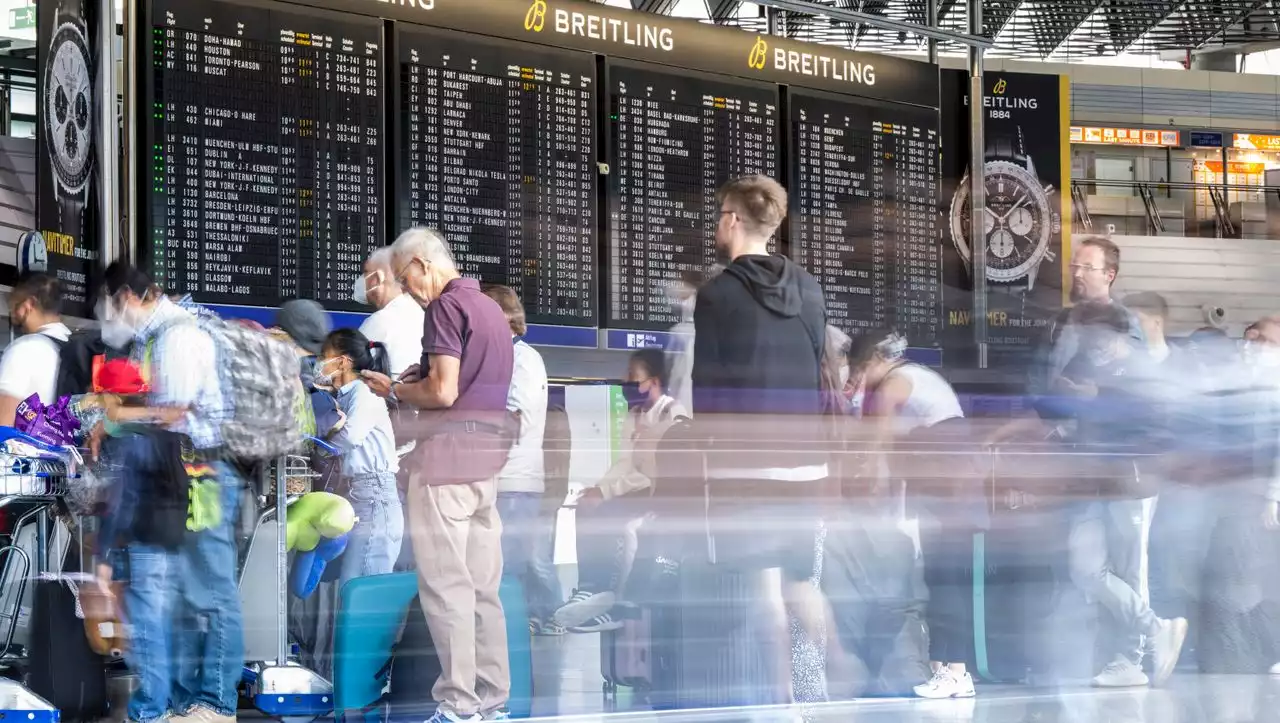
{"type": "Point", "coordinates": [567, 678]}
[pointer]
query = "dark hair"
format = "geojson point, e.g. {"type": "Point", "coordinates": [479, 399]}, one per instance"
{"type": "Point", "coordinates": [654, 361]}
{"type": "Point", "coordinates": [43, 289]}
{"type": "Point", "coordinates": [511, 306]}
{"type": "Point", "coordinates": [365, 355]}
{"type": "Point", "coordinates": [1096, 314]}
{"type": "Point", "coordinates": [865, 346]}
{"type": "Point", "coordinates": [1149, 303]}
{"type": "Point", "coordinates": [122, 275]}
{"type": "Point", "coordinates": [1110, 252]}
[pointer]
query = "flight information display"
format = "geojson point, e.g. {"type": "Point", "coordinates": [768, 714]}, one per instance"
{"type": "Point", "coordinates": [265, 132]}
{"type": "Point", "coordinates": [864, 216]}
{"type": "Point", "coordinates": [676, 138]}
{"type": "Point", "coordinates": [498, 143]}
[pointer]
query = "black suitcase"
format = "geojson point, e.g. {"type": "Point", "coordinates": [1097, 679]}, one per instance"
{"type": "Point", "coordinates": [64, 670]}
{"type": "Point", "coordinates": [413, 669]}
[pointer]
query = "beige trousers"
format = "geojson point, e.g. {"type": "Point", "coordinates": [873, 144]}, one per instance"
{"type": "Point", "coordinates": [457, 542]}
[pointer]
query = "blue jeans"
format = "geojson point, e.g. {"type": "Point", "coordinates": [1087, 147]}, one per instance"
{"type": "Point", "coordinates": [187, 642]}
{"type": "Point", "coordinates": [528, 544]}
{"type": "Point", "coordinates": [209, 637]}
{"type": "Point", "coordinates": [1108, 561]}
{"type": "Point", "coordinates": [153, 575]}
{"type": "Point", "coordinates": [375, 541]}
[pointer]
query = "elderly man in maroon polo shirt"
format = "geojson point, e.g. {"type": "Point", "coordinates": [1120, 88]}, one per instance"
{"type": "Point", "coordinates": [465, 433]}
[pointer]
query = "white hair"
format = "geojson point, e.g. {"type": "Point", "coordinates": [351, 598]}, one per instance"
{"type": "Point", "coordinates": [382, 259]}
{"type": "Point", "coordinates": [425, 244]}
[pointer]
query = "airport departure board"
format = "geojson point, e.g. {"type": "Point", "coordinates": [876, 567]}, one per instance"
{"type": "Point", "coordinates": [676, 137]}
{"type": "Point", "coordinates": [266, 138]}
{"type": "Point", "coordinates": [497, 143]}
{"type": "Point", "coordinates": [864, 211]}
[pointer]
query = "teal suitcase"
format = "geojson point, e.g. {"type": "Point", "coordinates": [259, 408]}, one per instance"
{"type": "Point", "coordinates": [369, 618]}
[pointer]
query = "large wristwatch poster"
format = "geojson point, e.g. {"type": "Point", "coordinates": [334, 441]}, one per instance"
{"type": "Point", "coordinates": [67, 158]}
{"type": "Point", "coordinates": [1026, 220]}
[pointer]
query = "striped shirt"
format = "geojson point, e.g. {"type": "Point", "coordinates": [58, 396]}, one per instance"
{"type": "Point", "coordinates": [184, 371]}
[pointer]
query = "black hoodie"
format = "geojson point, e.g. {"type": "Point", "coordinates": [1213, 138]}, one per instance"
{"type": "Point", "coordinates": [759, 335]}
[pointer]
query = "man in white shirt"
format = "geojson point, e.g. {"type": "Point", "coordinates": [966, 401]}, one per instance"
{"type": "Point", "coordinates": [398, 321]}
{"type": "Point", "coordinates": [30, 364]}
{"type": "Point", "coordinates": [521, 484]}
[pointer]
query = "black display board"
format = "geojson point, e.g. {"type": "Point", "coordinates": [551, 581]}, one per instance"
{"type": "Point", "coordinates": [679, 42]}
{"type": "Point", "coordinates": [674, 140]}
{"type": "Point", "coordinates": [496, 148]}
{"type": "Point", "coordinates": [864, 211]}
{"type": "Point", "coordinates": [266, 133]}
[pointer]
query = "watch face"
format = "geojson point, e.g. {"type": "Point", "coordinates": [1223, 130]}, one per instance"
{"type": "Point", "coordinates": [1018, 221]}
{"type": "Point", "coordinates": [68, 114]}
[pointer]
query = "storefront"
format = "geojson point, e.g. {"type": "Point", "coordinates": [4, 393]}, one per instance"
{"type": "Point", "coordinates": [1119, 158]}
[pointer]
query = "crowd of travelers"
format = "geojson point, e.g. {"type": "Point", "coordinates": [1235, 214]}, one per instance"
{"type": "Point", "coordinates": [836, 482]}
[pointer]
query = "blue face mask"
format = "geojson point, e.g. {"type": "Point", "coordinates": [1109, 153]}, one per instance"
{"type": "Point", "coordinates": [631, 392]}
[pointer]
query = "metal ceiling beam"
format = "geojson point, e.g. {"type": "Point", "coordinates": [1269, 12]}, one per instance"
{"type": "Point", "coordinates": [1053, 22]}
{"type": "Point", "coordinates": [996, 15]}
{"type": "Point", "coordinates": [1198, 21]}
{"type": "Point", "coordinates": [874, 7]}
{"type": "Point", "coordinates": [1129, 20]}
{"type": "Point", "coordinates": [657, 7]}
{"type": "Point", "coordinates": [877, 21]}
{"type": "Point", "coordinates": [1239, 18]}
{"type": "Point", "coordinates": [721, 11]}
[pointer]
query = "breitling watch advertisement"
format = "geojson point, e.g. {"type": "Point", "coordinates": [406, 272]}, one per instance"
{"type": "Point", "coordinates": [1027, 180]}
{"type": "Point", "coordinates": [67, 164]}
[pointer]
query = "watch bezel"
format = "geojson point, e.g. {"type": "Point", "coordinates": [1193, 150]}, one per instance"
{"type": "Point", "coordinates": [1039, 196]}
{"type": "Point", "coordinates": [73, 180]}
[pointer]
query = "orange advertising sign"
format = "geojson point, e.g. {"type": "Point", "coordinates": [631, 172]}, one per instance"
{"type": "Point", "coordinates": [1256, 142]}
{"type": "Point", "coordinates": [1234, 167]}
{"type": "Point", "coordinates": [1126, 136]}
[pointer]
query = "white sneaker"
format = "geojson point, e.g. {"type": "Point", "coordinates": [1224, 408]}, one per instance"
{"type": "Point", "coordinates": [1120, 673]}
{"type": "Point", "coordinates": [583, 606]}
{"type": "Point", "coordinates": [448, 716]}
{"type": "Point", "coordinates": [201, 714]}
{"type": "Point", "coordinates": [946, 684]}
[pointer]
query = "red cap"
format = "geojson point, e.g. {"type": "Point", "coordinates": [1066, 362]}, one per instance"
{"type": "Point", "coordinates": [120, 376]}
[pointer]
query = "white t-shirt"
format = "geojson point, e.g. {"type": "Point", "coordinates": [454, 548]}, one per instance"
{"type": "Point", "coordinates": [932, 399]}
{"type": "Point", "coordinates": [398, 325]}
{"type": "Point", "coordinates": [528, 396]}
{"type": "Point", "coordinates": [30, 364]}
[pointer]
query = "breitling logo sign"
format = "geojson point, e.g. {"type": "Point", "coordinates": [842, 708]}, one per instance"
{"type": "Point", "coordinates": [1000, 88]}
{"type": "Point", "coordinates": [598, 27]}
{"type": "Point", "coordinates": [759, 52]}
{"type": "Point", "coordinates": [536, 17]}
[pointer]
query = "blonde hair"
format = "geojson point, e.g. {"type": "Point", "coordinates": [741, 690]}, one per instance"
{"type": "Point", "coordinates": [759, 201]}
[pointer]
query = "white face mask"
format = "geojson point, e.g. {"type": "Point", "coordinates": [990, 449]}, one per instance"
{"type": "Point", "coordinates": [1262, 356]}
{"type": "Point", "coordinates": [361, 288]}
{"type": "Point", "coordinates": [116, 332]}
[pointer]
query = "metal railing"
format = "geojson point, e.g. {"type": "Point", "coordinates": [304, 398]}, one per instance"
{"type": "Point", "coordinates": [1170, 208]}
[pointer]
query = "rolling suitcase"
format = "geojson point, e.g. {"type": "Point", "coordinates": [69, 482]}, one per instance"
{"type": "Point", "coordinates": [722, 659]}
{"type": "Point", "coordinates": [64, 669]}
{"type": "Point", "coordinates": [371, 617]}
{"type": "Point", "coordinates": [626, 657]}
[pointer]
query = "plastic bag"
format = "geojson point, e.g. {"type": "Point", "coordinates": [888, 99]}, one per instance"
{"type": "Point", "coordinates": [54, 425]}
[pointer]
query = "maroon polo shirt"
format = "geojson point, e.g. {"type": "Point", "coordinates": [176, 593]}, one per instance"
{"type": "Point", "coordinates": [469, 326]}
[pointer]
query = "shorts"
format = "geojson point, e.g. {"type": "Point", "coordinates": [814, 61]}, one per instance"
{"type": "Point", "coordinates": [756, 536]}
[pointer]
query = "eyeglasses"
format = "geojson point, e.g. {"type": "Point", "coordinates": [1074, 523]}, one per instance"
{"type": "Point", "coordinates": [725, 211]}
{"type": "Point", "coordinates": [404, 271]}
{"type": "Point", "coordinates": [1083, 267]}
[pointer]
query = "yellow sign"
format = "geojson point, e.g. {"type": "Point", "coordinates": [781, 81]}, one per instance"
{"type": "Point", "coordinates": [536, 18]}
{"type": "Point", "coordinates": [1001, 86]}
{"type": "Point", "coordinates": [759, 52]}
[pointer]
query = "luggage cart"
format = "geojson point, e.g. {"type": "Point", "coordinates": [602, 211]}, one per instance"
{"type": "Point", "coordinates": [35, 483]}
{"type": "Point", "coordinates": [276, 684]}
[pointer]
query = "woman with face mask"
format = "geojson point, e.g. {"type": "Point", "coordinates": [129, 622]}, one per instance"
{"type": "Point", "coordinates": [611, 512]}
{"type": "Point", "coordinates": [367, 442]}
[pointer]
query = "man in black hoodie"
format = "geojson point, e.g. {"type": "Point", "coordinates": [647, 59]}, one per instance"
{"type": "Point", "coordinates": [758, 340]}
